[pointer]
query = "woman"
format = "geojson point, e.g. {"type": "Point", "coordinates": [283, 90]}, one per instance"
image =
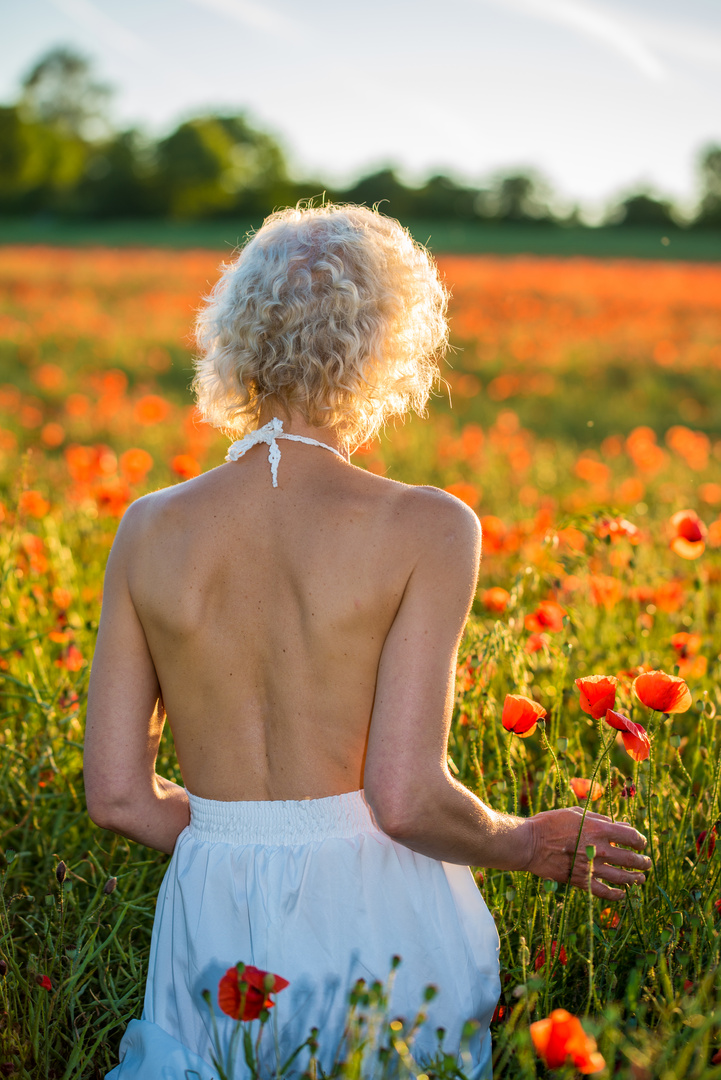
{"type": "Point", "coordinates": [299, 620]}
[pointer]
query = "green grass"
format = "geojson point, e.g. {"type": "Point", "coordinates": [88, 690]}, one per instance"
{"type": "Point", "coordinates": [441, 237]}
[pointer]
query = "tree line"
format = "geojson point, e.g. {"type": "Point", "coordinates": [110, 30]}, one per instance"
{"type": "Point", "coordinates": [59, 155]}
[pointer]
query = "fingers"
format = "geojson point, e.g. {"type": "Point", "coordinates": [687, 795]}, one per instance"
{"type": "Point", "coordinates": [615, 874]}
{"type": "Point", "coordinates": [622, 857]}
{"type": "Point", "coordinates": [604, 892]}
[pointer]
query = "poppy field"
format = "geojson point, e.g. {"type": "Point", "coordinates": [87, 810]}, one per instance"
{"type": "Point", "coordinates": [580, 417]}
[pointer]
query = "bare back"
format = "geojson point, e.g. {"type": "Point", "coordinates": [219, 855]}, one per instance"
{"type": "Point", "coordinates": [265, 611]}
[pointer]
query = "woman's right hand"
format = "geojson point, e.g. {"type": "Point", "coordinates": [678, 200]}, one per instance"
{"type": "Point", "coordinates": [554, 837]}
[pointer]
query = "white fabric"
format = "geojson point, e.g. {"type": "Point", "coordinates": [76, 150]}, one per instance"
{"type": "Point", "coordinates": [269, 433]}
{"type": "Point", "coordinates": [311, 890]}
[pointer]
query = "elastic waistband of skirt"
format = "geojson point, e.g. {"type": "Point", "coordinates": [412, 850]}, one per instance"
{"type": "Point", "coordinates": [280, 822]}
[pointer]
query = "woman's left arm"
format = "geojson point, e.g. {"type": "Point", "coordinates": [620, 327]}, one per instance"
{"type": "Point", "coordinates": [126, 717]}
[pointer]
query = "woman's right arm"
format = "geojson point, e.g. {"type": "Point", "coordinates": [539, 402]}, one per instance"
{"type": "Point", "coordinates": [407, 782]}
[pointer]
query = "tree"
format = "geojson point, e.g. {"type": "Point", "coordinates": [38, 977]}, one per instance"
{"type": "Point", "coordinates": [709, 212]}
{"type": "Point", "coordinates": [519, 197]}
{"type": "Point", "coordinates": [219, 164]}
{"type": "Point", "coordinates": [60, 92]}
{"type": "Point", "coordinates": [642, 209]}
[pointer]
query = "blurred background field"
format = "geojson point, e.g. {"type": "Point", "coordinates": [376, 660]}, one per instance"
{"type": "Point", "coordinates": [579, 418]}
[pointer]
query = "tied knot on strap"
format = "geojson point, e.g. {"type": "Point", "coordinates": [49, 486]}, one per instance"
{"type": "Point", "coordinates": [266, 434]}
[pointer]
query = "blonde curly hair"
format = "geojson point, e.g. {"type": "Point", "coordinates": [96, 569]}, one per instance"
{"type": "Point", "coordinates": [333, 311]}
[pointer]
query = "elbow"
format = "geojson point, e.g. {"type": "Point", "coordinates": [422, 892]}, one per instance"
{"type": "Point", "coordinates": [401, 812]}
{"type": "Point", "coordinates": [105, 811]}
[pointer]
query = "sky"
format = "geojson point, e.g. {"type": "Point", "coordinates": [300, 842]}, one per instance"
{"type": "Point", "coordinates": [602, 97]}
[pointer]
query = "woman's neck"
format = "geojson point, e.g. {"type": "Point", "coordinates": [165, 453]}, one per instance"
{"type": "Point", "coordinates": [295, 424]}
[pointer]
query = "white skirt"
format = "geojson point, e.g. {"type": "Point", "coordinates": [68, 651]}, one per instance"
{"type": "Point", "coordinates": [314, 891]}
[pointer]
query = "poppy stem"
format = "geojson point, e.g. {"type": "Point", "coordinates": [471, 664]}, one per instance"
{"type": "Point", "coordinates": [512, 771]}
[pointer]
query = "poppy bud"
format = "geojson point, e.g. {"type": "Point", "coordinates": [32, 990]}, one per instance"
{"type": "Point", "coordinates": [3, 968]}
{"type": "Point", "coordinates": [110, 885]}
{"type": "Point", "coordinates": [60, 872]}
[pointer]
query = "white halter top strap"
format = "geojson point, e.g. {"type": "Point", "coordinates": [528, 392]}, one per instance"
{"type": "Point", "coordinates": [268, 434]}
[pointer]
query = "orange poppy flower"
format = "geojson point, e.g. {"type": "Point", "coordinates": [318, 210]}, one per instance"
{"type": "Point", "coordinates": [598, 693]}
{"type": "Point", "coordinates": [151, 409]}
{"type": "Point", "coordinates": [186, 466]}
{"type": "Point", "coordinates": [615, 528]}
{"type": "Point", "coordinates": [135, 464]}
{"type": "Point", "coordinates": [662, 692]}
{"type": "Point", "coordinates": [72, 659]}
{"type": "Point", "coordinates": [495, 599]}
{"type": "Point", "coordinates": [685, 644]}
{"type": "Point", "coordinates": [247, 1004]}
{"type": "Point", "coordinates": [581, 788]}
{"type": "Point", "coordinates": [33, 504]}
{"type": "Point", "coordinates": [689, 534]}
{"type": "Point", "coordinates": [634, 736]}
{"type": "Point", "coordinates": [547, 616]}
{"type": "Point", "coordinates": [521, 715]}
{"type": "Point", "coordinates": [560, 1040]}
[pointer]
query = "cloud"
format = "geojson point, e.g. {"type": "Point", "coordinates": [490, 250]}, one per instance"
{"type": "Point", "coordinates": [683, 39]}
{"type": "Point", "coordinates": [104, 26]}
{"type": "Point", "coordinates": [594, 22]}
{"type": "Point", "coordinates": [250, 14]}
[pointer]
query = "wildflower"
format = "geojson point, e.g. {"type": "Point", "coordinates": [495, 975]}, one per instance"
{"type": "Point", "coordinates": [606, 591]}
{"type": "Point", "coordinates": [186, 466]}
{"type": "Point", "coordinates": [615, 528]}
{"type": "Point", "coordinates": [536, 642]}
{"type": "Point", "coordinates": [44, 982]}
{"type": "Point", "coordinates": [541, 957]}
{"type": "Point", "coordinates": [547, 616]}
{"type": "Point", "coordinates": [247, 1003]}
{"type": "Point", "coordinates": [62, 598]}
{"type": "Point", "coordinates": [3, 967]}
{"type": "Point", "coordinates": [598, 693]}
{"type": "Point", "coordinates": [151, 409]}
{"type": "Point", "coordinates": [71, 659]}
{"type": "Point", "coordinates": [498, 1013]}
{"type": "Point", "coordinates": [581, 788]}
{"type": "Point", "coordinates": [634, 736]}
{"type": "Point", "coordinates": [135, 464]}
{"type": "Point", "coordinates": [495, 599]}
{"type": "Point", "coordinates": [521, 715]}
{"type": "Point", "coordinates": [628, 791]}
{"type": "Point", "coordinates": [560, 1039]}
{"type": "Point", "coordinates": [662, 692]}
{"type": "Point", "coordinates": [610, 918]}
{"type": "Point", "coordinates": [689, 534]}
{"type": "Point", "coordinates": [717, 906]}
{"type": "Point", "coordinates": [33, 504]}
{"type": "Point", "coordinates": [706, 842]}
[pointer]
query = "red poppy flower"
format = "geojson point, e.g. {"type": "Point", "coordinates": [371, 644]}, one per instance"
{"type": "Point", "coordinates": [662, 692]}
{"type": "Point", "coordinates": [610, 918]}
{"type": "Point", "coordinates": [581, 788]}
{"type": "Point", "coordinates": [634, 736]}
{"type": "Point", "coordinates": [598, 693]}
{"type": "Point", "coordinates": [541, 957]}
{"type": "Point", "coordinates": [560, 1040]}
{"type": "Point", "coordinates": [706, 842]}
{"type": "Point", "coordinates": [44, 982]}
{"type": "Point", "coordinates": [689, 534]}
{"type": "Point", "coordinates": [521, 714]}
{"type": "Point", "coordinates": [248, 1004]}
{"type": "Point", "coordinates": [717, 906]}
{"type": "Point", "coordinates": [547, 616]}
